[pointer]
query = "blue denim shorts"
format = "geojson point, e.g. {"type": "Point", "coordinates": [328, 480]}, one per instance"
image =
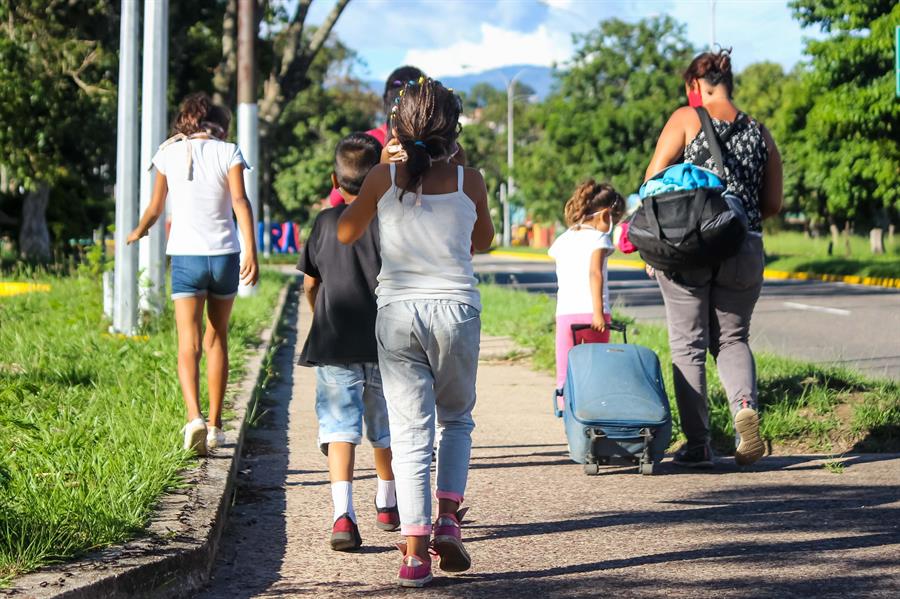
{"type": "Point", "coordinates": [346, 396]}
{"type": "Point", "coordinates": [199, 276]}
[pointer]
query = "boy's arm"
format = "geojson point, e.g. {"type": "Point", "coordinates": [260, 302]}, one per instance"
{"type": "Point", "coordinates": [598, 322]}
{"type": "Point", "coordinates": [311, 289]}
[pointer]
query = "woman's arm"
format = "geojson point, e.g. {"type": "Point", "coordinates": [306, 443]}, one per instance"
{"type": "Point", "coordinates": [244, 214]}
{"type": "Point", "coordinates": [771, 193]}
{"type": "Point", "coordinates": [483, 231]}
{"type": "Point", "coordinates": [356, 218]}
{"type": "Point", "coordinates": [598, 322]}
{"type": "Point", "coordinates": [670, 145]}
{"type": "Point", "coordinates": [154, 210]}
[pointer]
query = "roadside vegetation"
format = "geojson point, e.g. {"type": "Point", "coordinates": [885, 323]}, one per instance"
{"type": "Point", "coordinates": [795, 252]}
{"type": "Point", "coordinates": [89, 423]}
{"type": "Point", "coordinates": [804, 406]}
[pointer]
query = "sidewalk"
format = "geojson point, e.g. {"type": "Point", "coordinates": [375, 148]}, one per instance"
{"type": "Point", "coordinates": [539, 527]}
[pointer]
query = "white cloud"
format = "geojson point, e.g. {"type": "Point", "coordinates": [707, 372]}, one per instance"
{"type": "Point", "coordinates": [496, 47]}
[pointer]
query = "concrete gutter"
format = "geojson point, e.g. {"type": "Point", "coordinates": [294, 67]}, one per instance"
{"type": "Point", "coordinates": [178, 552]}
{"type": "Point", "coordinates": [768, 273]}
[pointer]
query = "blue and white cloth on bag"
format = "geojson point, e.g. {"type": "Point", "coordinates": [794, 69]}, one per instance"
{"type": "Point", "coordinates": [679, 177]}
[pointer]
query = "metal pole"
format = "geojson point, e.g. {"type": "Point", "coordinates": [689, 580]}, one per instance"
{"type": "Point", "coordinates": [127, 198]}
{"type": "Point", "coordinates": [267, 230]}
{"type": "Point", "coordinates": [510, 135]}
{"type": "Point", "coordinates": [248, 115]}
{"type": "Point", "coordinates": [153, 132]}
{"type": "Point", "coordinates": [504, 202]}
{"type": "Point", "coordinates": [712, 25]}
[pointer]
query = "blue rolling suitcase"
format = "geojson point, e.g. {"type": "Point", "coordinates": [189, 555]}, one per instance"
{"type": "Point", "coordinates": [616, 408]}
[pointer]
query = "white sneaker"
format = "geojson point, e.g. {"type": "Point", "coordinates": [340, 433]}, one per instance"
{"type": "Point", "coordinates": [195, 436]}
{"type": "Point", "coordinates": [215, 437]}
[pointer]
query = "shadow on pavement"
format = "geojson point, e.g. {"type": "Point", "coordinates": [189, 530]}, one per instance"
{"type": "Point", "coordinates": [253, 546]}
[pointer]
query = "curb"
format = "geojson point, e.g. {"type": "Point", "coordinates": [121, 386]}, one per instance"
{"type": "Point", "coordinates": [177, 554]}
{"type": "Point", "coordinates": [887, 282]}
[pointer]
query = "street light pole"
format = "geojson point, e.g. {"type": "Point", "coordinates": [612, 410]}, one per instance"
{"type": "Point", "coordinates": [510, 144]}
{"type": "Point", "coordinates": [127, 190]}
{"type": "Point", "coordinates": [248, 114]}
{"type": "Point", "coordinates": [712, 25]}
{"type": "Point", "coordinates": [152, 249]}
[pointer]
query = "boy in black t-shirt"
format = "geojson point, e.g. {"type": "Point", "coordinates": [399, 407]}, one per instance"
{"type": "Point", "coordinates": [339, 282]}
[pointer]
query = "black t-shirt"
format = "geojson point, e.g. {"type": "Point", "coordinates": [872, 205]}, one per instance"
{"type": "Point", "coordinates": [343, 327]}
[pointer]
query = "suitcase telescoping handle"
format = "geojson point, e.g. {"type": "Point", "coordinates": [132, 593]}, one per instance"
{"type": "Point", "coordinates": [616, 325]}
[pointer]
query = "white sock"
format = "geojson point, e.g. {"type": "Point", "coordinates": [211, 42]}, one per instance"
{"type": "Point", "coordinates": [342, 496]}
{"type": "Point", "coordinates": [386, 495]}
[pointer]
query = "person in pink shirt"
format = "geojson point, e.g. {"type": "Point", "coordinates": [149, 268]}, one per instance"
{"type": "Point", "coordinates": [395, 82]}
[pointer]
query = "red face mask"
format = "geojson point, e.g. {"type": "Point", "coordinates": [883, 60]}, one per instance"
{"type": "Point", "coordinates": [695, 99]}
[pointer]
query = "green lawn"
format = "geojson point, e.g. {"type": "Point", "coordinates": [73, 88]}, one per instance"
{"type": "Point", "coordinates": [89, 423]}
{"type": "Point", "coordinates": [804, 407]}
{"type": "Point", "coordinates": [795, 252]}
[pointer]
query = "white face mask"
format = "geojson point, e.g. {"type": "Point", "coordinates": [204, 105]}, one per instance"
{"type": "Point", "coordinates": [591, 217]}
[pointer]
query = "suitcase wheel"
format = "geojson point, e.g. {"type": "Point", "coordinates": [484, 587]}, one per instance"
{"type": "Point", "coordinates": [591, 469]}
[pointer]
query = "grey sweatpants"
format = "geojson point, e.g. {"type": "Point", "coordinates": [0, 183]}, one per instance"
{"type": "Point", "coordinates": [709, 309]}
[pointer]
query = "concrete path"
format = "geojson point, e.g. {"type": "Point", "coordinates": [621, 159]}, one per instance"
{"type": "Point", "coordinates": [834, 323]}
{"type": "Point", "coordinates": [538, 527]}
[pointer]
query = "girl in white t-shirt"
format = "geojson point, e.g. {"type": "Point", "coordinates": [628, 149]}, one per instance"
{"type": "Point", "coordinates": [202, 176]}
{"type": "Point", "coordinates": [581, 254]}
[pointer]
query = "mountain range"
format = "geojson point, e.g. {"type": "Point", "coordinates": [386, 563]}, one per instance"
{"type": "Point", "coordinates": [538, 78]}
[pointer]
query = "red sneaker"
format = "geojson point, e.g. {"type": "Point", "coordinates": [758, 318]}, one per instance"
{"type": "Point", "coordinates": [387, 518]}
{"type": "Point", "coordinates": [345, 534]}
{"type": "Point", "coordinates": [448, 544]}
{"type": "Point", "coordinates": [415, 571]}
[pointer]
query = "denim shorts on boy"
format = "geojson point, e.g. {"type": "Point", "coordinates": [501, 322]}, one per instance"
{"type": "Point", "coordinates": [345, 396]}
{"type": "Point", "coordinates": [428, 353]}
{"type": "Point", "coordinates": [199, 276]}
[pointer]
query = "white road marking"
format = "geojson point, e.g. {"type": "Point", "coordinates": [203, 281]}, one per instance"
{"type": "Point", "coordinates": [826, 310]}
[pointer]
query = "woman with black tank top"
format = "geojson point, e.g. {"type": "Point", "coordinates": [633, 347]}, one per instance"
{"type": "Point", "coordinates": [709, 309]}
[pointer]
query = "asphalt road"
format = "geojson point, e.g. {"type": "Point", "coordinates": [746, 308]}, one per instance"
{"type": "Point", "coordinates": [837, 323]}
{"type": "Point", "coordinates": [538, 527]}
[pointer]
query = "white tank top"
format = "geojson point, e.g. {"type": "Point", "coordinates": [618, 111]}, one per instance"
{"type": "Point", "coordinates": [426, 246]}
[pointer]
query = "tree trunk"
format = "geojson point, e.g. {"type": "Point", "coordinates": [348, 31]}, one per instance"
{"type": "Point", "coordinates": [891, 228]}
{"type": "Point", "coordinates": [34, 237]}
{"type": "Point", "coordinates": [835, 238]}
{"type": "Point", "coordinates": [847, 238]}
{"type": "Point", "coordinates": [876, 241]}
{"type": "Point", "coordinates": [223, 75]}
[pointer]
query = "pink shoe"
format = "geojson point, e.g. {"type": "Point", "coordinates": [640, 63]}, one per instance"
{"type": "Point", "coordinates": [448, 543]}
{"type": "Point", "coordinates": [345, 534]}
{"type": "Point", "coordinates": [387, 518]}
{"type": "Point", "coordinates": [415, 571]}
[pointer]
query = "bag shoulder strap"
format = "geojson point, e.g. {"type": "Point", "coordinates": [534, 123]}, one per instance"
{"type": "Point", "coordinates": [715, 150]}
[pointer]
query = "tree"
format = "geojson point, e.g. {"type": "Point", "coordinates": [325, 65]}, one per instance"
{"type": "Point", "coordinates": [311, 125]}
{"type": "Point", "coordinates": [287, 49]}
{"type": "Point", "coordinates": [850, 137]}
{"type": "Point", "coordinates": [57, 98]}
{"type": "Point", "coordinates": [603, 120]}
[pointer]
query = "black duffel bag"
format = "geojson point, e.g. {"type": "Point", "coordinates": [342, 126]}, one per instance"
{"type": "Point", "coordinates": [695, 228]}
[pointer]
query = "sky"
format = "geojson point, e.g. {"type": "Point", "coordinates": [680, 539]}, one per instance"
{"type": "Point", "coordinates": [455, 37]}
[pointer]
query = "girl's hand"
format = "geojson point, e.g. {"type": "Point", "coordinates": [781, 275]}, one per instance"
{"type": "Point", "coordinates": [651, 272]}
{"type": "Point", "coordinates": [135, 235]}
{"type": "Point", "coordinates": [250, 270]}
{"type": "Point", "coordinates": [393, 152]}
{"type": "Point", "coordinates": [598, 323]}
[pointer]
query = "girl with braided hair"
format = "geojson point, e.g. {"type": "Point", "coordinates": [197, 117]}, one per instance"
{"type": "Point", "coordinates": [431, 214]}
{"type": "Point", "coordinates": [581, 254]}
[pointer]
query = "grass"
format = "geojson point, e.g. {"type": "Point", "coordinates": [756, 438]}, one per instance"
{"type": "Point", "coordinates": [804, 406]}
{"type": "Point", "coordinates": [89, 423]}
{"type": "Point", "coordinates": [795, 252]}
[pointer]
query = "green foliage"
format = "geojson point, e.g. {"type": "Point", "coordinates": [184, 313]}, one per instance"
{"type": "Point", "coordinates": [850, 139]}
{"type": "Point", "coordinates": [604, 118]}
{"type": "Point", "coordinates": [310, 128]}
{"type": "Point", "coordinates": [799, 401]}
{"type": "Point", "coordinates": [85, 453]}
